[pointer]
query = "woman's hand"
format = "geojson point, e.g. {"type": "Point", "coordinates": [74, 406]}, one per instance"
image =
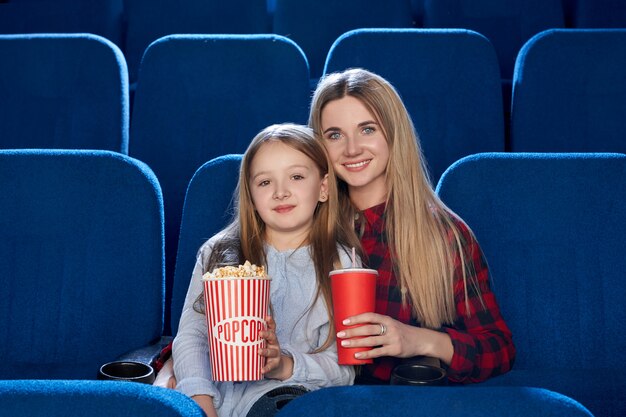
{"type": "Point", "coordinates": [389, 337]}
{"type": "Point", "coordinates": [277, 365]}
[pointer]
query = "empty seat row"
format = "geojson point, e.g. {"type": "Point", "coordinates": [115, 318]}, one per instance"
{"type": "Point", "coordinates": [82, 271]}
{"type": "Point", "coordinates": [134, 24]}
{"type": "Point", "coordinates": [71, 91]}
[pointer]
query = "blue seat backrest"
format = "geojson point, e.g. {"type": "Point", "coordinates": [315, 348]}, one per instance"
{"type": "Point", "coordinates": [63, 91]}
{"type": "Point", "coordinates": [569, 92]}
{"type": "Point", "coordinates": [149, 20]}
{"type": "Point", "coordinates": [201, 96]}
{"type": "Point", "coordinates": [552, 228]}
{"type": "Point", "coordinates": [66, 398]}
{"type": "Point", "coordinates": [81, 261]}
{"type": "Point", "coordinates": [314, 25]}
{"type": "Point", "coordinates": [208, 209]}
{"type": "Point", "coordinates": [448, 81]}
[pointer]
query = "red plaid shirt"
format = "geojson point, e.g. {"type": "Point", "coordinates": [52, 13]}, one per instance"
{"type": "Point", "coordinates": [482, 341]}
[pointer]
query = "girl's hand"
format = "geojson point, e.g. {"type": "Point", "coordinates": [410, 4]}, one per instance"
{"type": "Point", "coordinates": [389, 337]}
{"type": "Point", "coordinates": [277, 365]}
{"type": "Point", "coordinates": [165, 378]}
{"type": "Point", "coordinates": [206, 403]}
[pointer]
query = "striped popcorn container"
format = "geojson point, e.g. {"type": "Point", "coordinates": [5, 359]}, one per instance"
{"type": "Point", "coordinates": [235, 312]}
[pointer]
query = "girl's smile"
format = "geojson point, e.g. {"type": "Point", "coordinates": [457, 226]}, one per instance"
{"type": "Point", "coordinates": [285, 208]}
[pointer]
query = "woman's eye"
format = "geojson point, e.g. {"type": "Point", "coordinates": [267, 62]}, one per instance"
{"type": "Point", "coordinates": [368, 130]}
{"type": "Point", "coordinates": [334, 136]}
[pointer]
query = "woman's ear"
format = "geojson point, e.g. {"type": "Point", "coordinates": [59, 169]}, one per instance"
{"type": "Point", "coordinates": [324, 189]}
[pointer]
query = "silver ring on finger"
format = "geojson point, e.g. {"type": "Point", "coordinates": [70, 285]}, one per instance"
{"type": "Point", "coordinates": [383, 329]}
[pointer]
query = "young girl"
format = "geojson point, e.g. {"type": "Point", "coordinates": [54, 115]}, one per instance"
{"type": "Point", "coordinates": [287, 221]}
{"type": "Point", "coordinates": [433, 293]}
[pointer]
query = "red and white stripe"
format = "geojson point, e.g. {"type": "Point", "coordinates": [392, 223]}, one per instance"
{"type": "Point", "coordinates": [231, 302]}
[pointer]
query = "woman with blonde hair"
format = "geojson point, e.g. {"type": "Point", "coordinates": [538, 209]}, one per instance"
{"type": "Point", "coordinates": [433, 294]}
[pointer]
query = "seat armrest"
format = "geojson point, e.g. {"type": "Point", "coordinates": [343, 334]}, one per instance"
{"type": "Point", "coordinates": [147, 354]}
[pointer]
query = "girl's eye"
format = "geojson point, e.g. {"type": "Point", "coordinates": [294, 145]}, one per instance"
{"type": "Point", "coordinates": [263, 183]}
{"type": "Point", "coordinates": [297, 177]}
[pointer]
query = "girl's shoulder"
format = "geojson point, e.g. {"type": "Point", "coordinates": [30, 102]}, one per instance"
{"type": "Point", "coordinates": [207, 247]}
{"type": "Point", "coordinates": [210, 243]}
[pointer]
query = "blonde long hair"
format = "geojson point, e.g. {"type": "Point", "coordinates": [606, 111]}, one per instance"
{"type": "Point", "coordinates": [417, 221]}
{"type": "Point", "coordinates": [243, 238]}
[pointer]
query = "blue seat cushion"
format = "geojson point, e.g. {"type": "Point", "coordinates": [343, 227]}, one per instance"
{"type": "Point", "coordinates": [602, 391]}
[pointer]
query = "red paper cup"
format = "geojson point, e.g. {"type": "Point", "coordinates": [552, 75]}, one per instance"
{"type": "Point", "coordinates": [235, 312]}
{"type": "Point", "coordinates": [354, 292]}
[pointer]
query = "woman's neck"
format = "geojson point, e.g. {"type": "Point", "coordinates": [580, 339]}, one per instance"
{"type": "Point", "coordinates": [364, 197]}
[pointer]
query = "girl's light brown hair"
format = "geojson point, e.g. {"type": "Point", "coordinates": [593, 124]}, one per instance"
{"type": "Point", "coordinates": [244, 240]}
{"type": "Point", "coordinates": [417, 221]}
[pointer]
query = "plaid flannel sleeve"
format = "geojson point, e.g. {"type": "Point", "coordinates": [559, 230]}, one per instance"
{"type": "Point", "coordinates": [483, 344]}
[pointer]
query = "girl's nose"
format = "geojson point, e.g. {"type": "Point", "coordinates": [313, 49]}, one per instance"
{"type": "Point", "coordinates": [281, 193]}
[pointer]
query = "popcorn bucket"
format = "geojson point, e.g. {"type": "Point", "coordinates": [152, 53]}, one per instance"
{"type": "Point", "coordinates": [235, 312]}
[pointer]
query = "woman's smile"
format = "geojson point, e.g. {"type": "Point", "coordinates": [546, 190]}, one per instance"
{"type": "Point", "coordinates": [356, 166]}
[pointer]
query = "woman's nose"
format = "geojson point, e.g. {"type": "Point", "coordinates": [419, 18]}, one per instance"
{"type": "Point", "coordinates": [352, 146]}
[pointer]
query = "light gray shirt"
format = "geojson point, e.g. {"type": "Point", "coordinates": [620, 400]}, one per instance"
{"type": "Point", "coordinates": [299, 328]}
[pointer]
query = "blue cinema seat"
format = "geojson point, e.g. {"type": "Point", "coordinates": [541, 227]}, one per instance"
{"type": "Point", "coordinates": [552, 227]}
{"type": "Point", "coordinates": [63, 91]}
{"type": "Point", "coordinates": [149, 20]}
{"type": "Point", "coordinates": [314, 25]}
{"type": "Point", "coordinates": [508, 24]}
{"type": "Point", "coordinates": [403, 401]}
{"type": "Point", "coordinates": [569, 92]}
{"type": "Point", "coordinates": [208, 208]}
{"type": "Point", "coordinates": [81, 261]}
{"type": "Point", "coordinates": [72, 398]}
{"type": "Point", "coordinates": [103, 18]}
{"type": "Point", "coordinates": [449, 82]}
{"type": "Point", "coordinates": [201, 96]}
